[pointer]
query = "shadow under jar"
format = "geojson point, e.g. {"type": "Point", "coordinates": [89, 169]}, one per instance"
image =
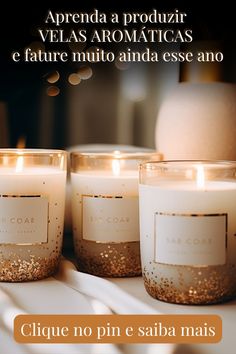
{"type": "Point", "coordinates": [187, 230]}
{"type": "Point", "coordinates": [32, 198]}
{"type": "Point", "coordinates": [105, 212]}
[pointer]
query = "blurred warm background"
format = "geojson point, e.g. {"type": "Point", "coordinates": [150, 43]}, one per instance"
{"type": "Point", "coordinates": [60, 105]}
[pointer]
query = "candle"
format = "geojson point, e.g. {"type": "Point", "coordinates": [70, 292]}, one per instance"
{"type": "Point", "coordinates": [188, 227]}
{"type": "Point", "coordinates": [105, 212]}
{"type": "Point", "coordinates": [32, 194]}
{"type": "Point", "coordinates": [109, 148]}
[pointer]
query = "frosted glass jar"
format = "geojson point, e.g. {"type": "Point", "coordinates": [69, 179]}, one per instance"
{"type": "Point", "coordinates": [105, 212]}
{"type": "Point", "coordinates": [187, 230]}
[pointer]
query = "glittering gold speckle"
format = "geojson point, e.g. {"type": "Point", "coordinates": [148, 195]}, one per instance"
{"type": "Point", "coordinates": [109, 259]}
{"type": "Point", "coordinates": [33, 268]}
{"type": "Point", "coordinates": [191, 285]}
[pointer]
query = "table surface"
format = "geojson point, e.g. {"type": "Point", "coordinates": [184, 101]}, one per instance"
{"type": "Point", "coordinates": [54, 297]}
{"type": "Point", "coordinates": [227, 311]}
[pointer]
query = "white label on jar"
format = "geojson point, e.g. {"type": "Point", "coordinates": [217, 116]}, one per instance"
{"type": "Point", "coordinates": [197, 240]}
{"type": "Point", "coordinates": [110, 219]}
{"type": "Point", "coordinates": [23, 219]}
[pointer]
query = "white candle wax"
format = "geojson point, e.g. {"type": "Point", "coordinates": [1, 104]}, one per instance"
{"type": "Point", "coordinates": [31, 221]}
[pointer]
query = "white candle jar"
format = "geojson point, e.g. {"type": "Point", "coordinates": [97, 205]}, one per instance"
{"type": "Point", "coordinates": [188, 230]}
{"type": "Point", "coordinates": [32, 198]}
{"type": "Point", "coordinates": [105, 212]}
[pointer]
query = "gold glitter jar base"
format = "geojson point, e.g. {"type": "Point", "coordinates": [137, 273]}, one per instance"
{"type": "Point", "coordinates": [22, 270]}
{"type": "Point", "coordinates": [190, 285]}
{"type": "Point", "coordinates": [108, 259]}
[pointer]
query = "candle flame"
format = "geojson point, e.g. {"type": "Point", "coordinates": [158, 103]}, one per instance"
{"type": "Point", "coordinates": [20, 159]}
{"type": "Point", "coordinates": [116, 167]}
{"type": "Point", "coordinates": [21, 143]}
{"type": "Point", "coordinates": [200, 177]}
{"type": "Point", "coordinates": [19, 164]}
